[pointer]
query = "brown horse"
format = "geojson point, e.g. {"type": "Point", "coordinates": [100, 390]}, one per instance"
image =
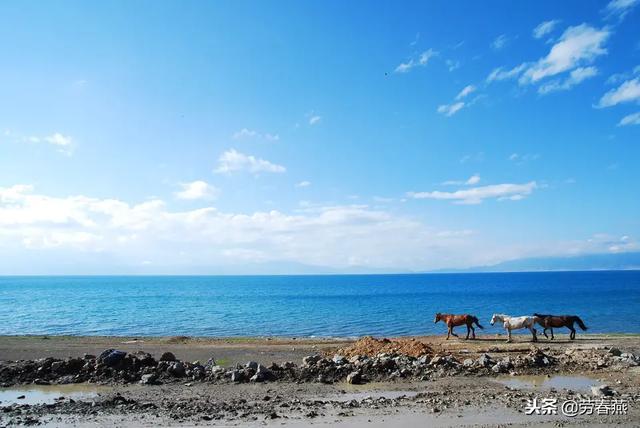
{"type": "Point", "coordinates": [551, 321]}
{"type": "Point", "coordinates": [455, 320]}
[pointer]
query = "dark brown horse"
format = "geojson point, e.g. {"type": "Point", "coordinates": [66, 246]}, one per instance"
{"type": "Point", "coordinates": [455, 320]}
{"type": "Point", "coordinates": [548, 322]}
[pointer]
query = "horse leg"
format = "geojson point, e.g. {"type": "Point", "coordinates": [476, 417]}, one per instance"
{"type": "Point", "coordinates": [473, 332]}
{"type": "Point", "coordinates": [545, 332]}
{"type": "Point", "coordinates": [468, 331]}
{"type": "Point", "coordinates": [452, 333]}
{"type": "Point", "coordinates": [448, 332]}
{"type": "Point", "coordinates": [509, 339]}
{"type": "Point", "coordinates": [551, 333]}
{"type": "Point", "coordinates": [572, 335]}
{"type": "Point", "coordinates": [534, 333]}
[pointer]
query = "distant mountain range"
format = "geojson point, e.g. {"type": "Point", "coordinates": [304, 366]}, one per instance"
{"type": "Point", "coordinates": [609, 261]}
{"type": "Point", "coordinates": [617, 261]}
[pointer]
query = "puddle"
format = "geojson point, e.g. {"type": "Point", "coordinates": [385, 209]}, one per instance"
{"type": "Point", "coordinates": [409, 418]}
{"type": "Point", "coordinates": [575, 383]}
{"type": "Point", "coordinates": [47, 394]}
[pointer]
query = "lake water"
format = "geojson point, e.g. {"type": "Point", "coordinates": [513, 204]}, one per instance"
{"type": "Point", "coordinates": [330, 306]}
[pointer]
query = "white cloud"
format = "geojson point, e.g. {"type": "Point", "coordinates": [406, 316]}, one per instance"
{"type": "Point", "coordinates": [313, 120]}
{"type": "Point", "coordinates": [303, 184]}
{"type": "Point", "coordinates": [422, 60]}
{"type": "Point", "coordinates": [426, 56]}
{"type": "Point", "coordinates": [465, 91]}
{"type": "Point", "coordinates": [596, 244]}
{"type": "Point", "coordinates": [450, 109]}
{"type": "Point", "coordinates": [452, 64]}
{"type": "Point", "coordinates": [616, 78]}
{"type": "Point", "coordinates": [457, 105]}
{"type": "Point", "coordinates": [58, 139]}
{"type": "Point", "coordinates": [627, 92]}
{"type": "Point", "coordinates": [415, 40]}
{"type": "Point", "coordinates": [500, 42]}
{"type": "Point", "coordinates": [245, 133]}
{"type": "Point", "coordinates": [501, 74]}
{"type": "Point", "coordinates": [474, 179]}
{"type": "Point", "coordinates": [197, 190]}
{"type": "Point", "coordinates": [576, 76]}
{"type": "Point", "coordinates": [477, 194]}
{"type": "Point", "coordinates": [473, 157]}
{"type": "Point", "coordinates": [630, 119]}
{"type": "Point", "coordinates": [545, 28]}
{"type": "Point", "coordinates": [63, 143]}
{"type": "Point", "coordinates": [609, 243]}
{"type": "Point", "coordinates": [78, 234]}
{"type": "Point", "coordinates": [71, 228]}
{"type": "Point", "coordinates": [232, 161]}
{"type": "Point", "coordinates": [404, 67]}
{"type": "Point", "coordinates": [577, 46]}
{"type": "Point", "coordinates": [620, 8]}
{"type": "Point", "coordinates": [522, 158]}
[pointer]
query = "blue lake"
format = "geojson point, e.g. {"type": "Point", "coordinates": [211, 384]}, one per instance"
{"type": "Point", "coordinates": [322, 305]}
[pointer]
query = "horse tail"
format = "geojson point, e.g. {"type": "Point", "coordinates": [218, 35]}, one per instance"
{"type": "Point", "coordinates": [580, 323]}
{"type": "Point", "coordinates": [475, 320]}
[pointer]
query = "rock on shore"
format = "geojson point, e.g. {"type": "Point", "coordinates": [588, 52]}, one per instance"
{"type": "Point", "coordinates": [114, 366]}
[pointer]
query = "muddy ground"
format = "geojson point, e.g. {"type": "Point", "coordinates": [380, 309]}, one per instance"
{"type": "Point", "coordinates": [448, 388]}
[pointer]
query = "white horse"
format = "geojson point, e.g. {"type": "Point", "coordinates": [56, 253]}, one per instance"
{"type": "Point", "coordinates": [516, 323]}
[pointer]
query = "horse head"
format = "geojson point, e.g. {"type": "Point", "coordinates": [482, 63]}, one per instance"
{"type": "Point", "coordinates": [540, 319]}
{"type": "Point", "coordinates": [437, 318]}
{"type": "Point", "coordinates": [496, 317]}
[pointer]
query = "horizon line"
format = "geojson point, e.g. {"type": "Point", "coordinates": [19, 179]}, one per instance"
{"type": "Point", "coordinates": [2, 275]}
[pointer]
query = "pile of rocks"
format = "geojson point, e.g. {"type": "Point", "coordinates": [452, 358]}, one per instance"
{"type": "Point", "coordinates": [113, 366]}
{"type": "Point", "coordinates": [598, 359]}
{"type": "Point", "coordinates": [623, 358]}
{"type": "Point", "coordinates": [370, 346]}
{"type": "Point", "coordinates": [110, 366]}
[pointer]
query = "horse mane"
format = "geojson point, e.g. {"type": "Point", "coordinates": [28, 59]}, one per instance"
{"type": "Point", "coordinates": [541, 315]}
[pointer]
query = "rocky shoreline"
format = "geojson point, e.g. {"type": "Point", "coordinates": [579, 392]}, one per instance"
{"type": "Point", "coordinates": [405, 362]}
{"type": "Point", "coordinates": [115, 366]}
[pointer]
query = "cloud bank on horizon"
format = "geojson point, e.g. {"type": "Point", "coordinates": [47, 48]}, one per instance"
{"type": "Point", "coordinates": [425, 148]}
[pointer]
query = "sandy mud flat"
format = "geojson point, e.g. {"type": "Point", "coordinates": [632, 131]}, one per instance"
{"type": "Point", "coordinates": [405, 382]}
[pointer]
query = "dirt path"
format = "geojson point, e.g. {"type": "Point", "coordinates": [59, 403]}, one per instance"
{"type": "Point", "coordinates": [229, 351]}
{"type": "Point", "coordinates": [226, 351]}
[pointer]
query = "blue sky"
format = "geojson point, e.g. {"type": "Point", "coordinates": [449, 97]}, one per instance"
{"type": "Point", "coordinates": [242, 137]}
